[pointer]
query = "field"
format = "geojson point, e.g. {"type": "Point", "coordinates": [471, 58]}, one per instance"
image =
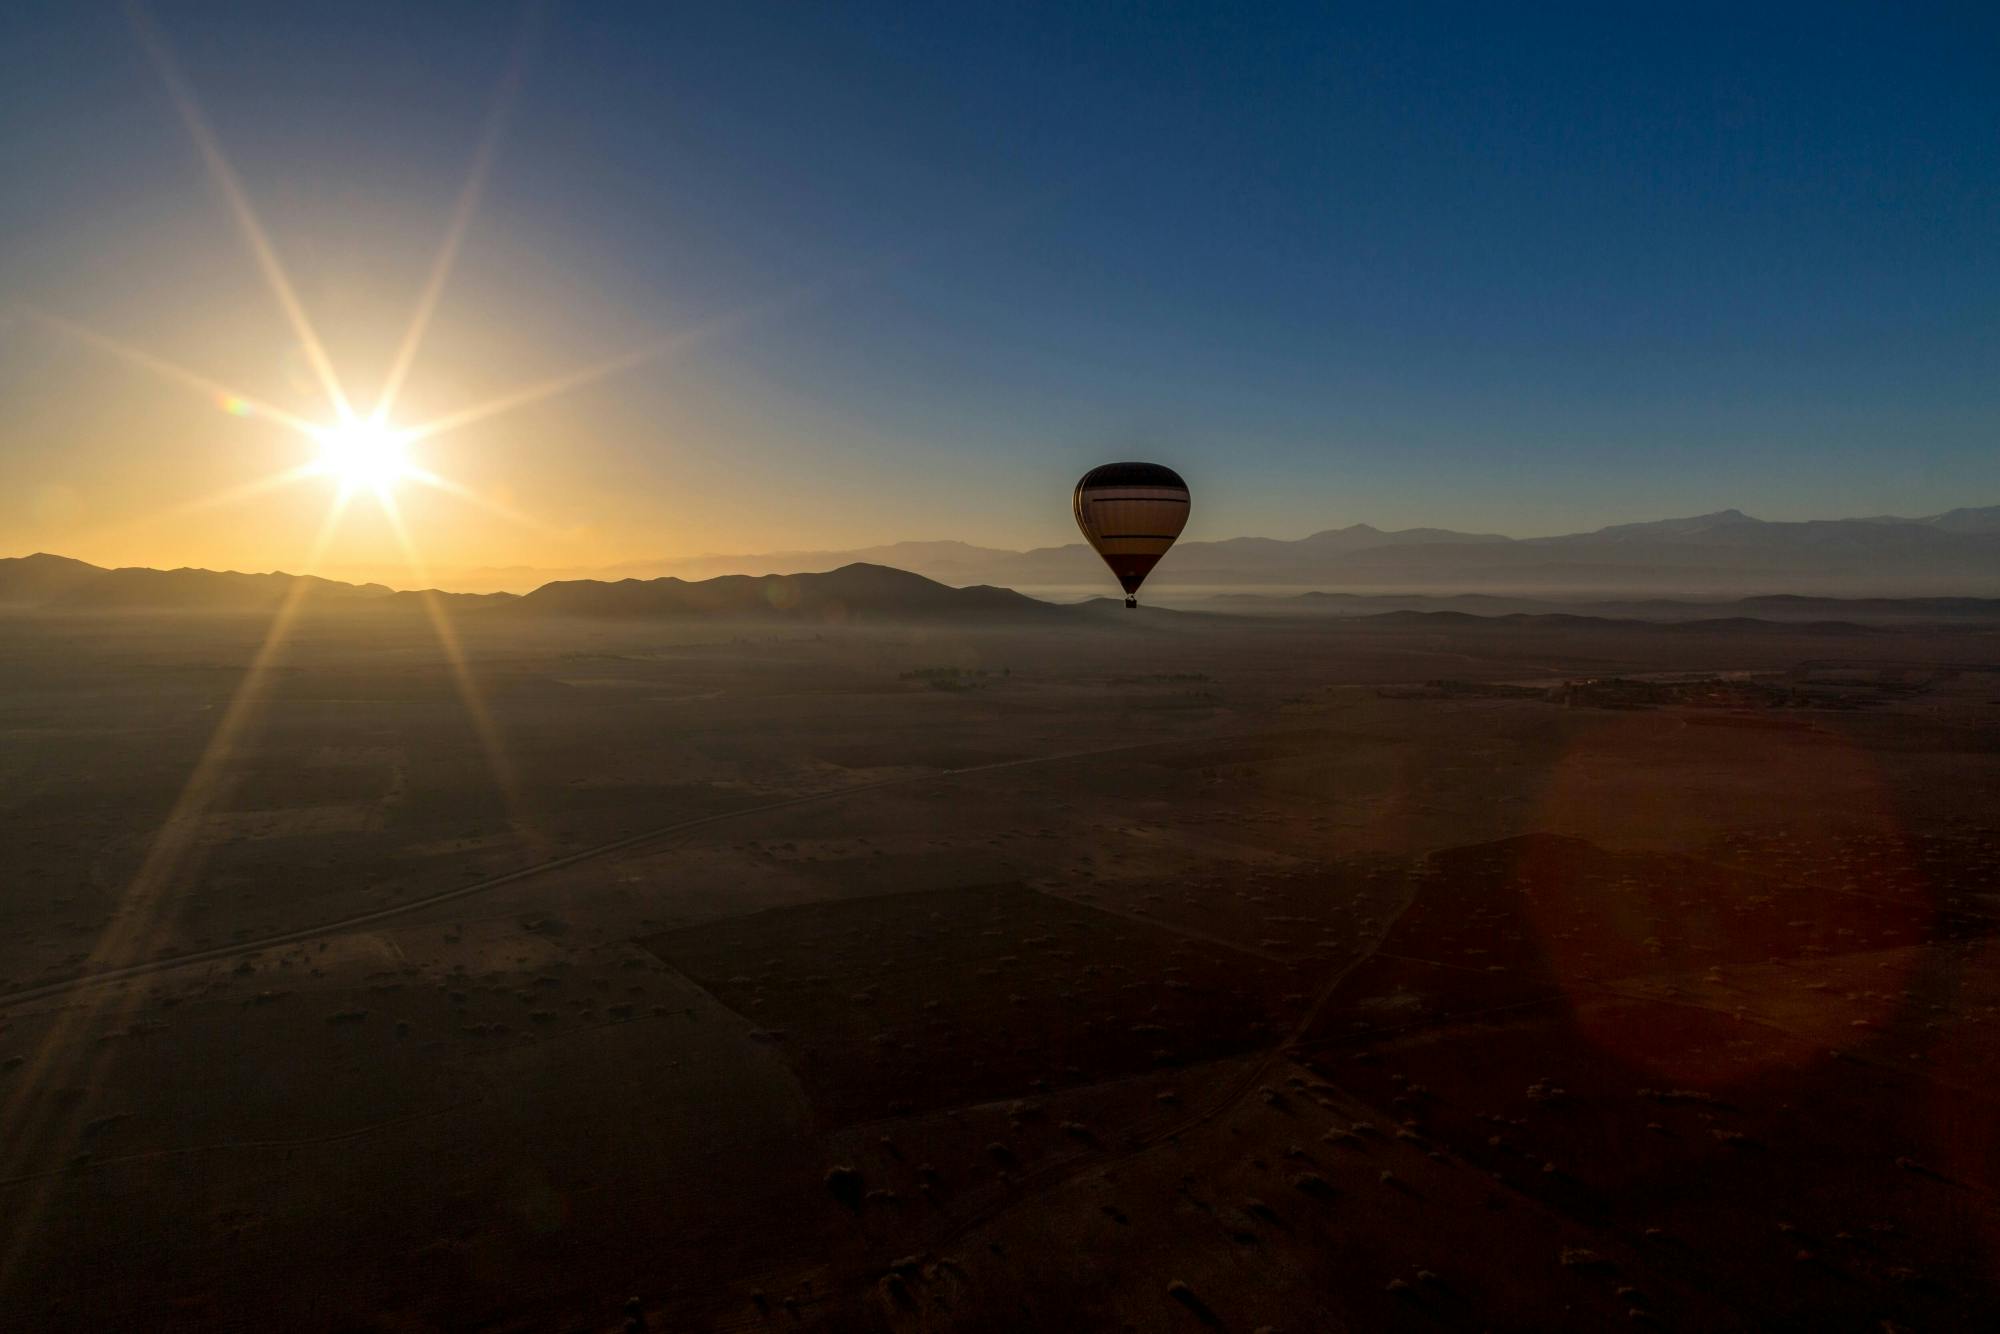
{"type": "Point", "coordinates": [1166, 971]}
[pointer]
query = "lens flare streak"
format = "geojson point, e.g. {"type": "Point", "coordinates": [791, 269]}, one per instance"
{"type": "Point", "coordinates": [37, 1126]}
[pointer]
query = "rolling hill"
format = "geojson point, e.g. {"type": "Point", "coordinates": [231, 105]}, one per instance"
{"type": "Point", "coordinates": [857, 591]}
{"type": "Point", "coordinates": [60, 583]}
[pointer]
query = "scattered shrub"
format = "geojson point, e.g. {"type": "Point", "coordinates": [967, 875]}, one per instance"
{"type": "Point", "coordinates": [1312, 1183]}
{"type": "Point", "coordinates": [1185, 1295]}
{"type": "Point", "coordinates": [845, 1185]}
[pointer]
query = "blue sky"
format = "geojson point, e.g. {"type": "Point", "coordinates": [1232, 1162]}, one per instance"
{"type": "Point", "coordinates": [1525, 269]}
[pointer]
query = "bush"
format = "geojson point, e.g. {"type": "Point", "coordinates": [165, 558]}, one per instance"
{"type": "Point", "coordinates": [845, 1185]}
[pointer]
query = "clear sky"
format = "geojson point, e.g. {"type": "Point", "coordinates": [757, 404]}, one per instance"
{"type": "Point", "coordinates": [1515, 268]}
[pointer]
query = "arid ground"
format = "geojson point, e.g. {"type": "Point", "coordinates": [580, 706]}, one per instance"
{"type": "Point", "coordinates": [1149, 972]}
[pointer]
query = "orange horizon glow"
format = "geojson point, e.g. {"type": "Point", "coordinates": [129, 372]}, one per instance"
{"type": "Point", "coordinates": [359, 455]}
{"type": "Point", "coordinates": [361, 452]}
{"type": "Point", "coordinates": [148, 483]}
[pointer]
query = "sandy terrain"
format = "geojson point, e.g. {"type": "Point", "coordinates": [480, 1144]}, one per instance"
{"type": "Point", "coordinates": [1167, 972]}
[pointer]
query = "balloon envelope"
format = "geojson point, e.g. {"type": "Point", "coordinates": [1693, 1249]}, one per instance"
{"type": "Point", "coordinates": [1131, 513]}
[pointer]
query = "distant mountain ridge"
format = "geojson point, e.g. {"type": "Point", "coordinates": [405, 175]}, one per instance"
{"type": "Point", "coordinates": [863, 593]}
{"type": "Point", "coordinates": [43, 580]}
{"type": "Point", "coordinates": [1718, 557]}
{"type": "Point", "coordinates": [854, 592]}
{"type": "Point", "coordinates": [1725, 552]}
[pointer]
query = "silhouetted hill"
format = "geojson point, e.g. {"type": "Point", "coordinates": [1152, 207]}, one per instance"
{"type": "Point", "coordinates": [57, 583]}
{"type": "Point", "coordinates": [137, 588]}
{"type": "Point", "coordinates": [30, 581]}
{"type": "Point", "coordinates": [853, 592]}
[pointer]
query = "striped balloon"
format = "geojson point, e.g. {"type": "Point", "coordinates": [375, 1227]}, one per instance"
{"type": "Point", "coordinates": [1131, 513]}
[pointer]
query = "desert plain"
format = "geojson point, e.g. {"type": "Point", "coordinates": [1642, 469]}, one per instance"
{"type": "Point", "coordinates": [1150, 971]}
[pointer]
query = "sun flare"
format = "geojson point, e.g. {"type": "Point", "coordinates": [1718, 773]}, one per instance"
{"type": "Point", "coordinates": [364, 454]}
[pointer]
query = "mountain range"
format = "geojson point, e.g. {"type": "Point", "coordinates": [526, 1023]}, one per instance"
{"type": "Point", "coordinates": [864, 593]}
{"type": "Point", "coordinates": [1931, 569]}
{"type": "Point", "coordinates": [1724, 553]}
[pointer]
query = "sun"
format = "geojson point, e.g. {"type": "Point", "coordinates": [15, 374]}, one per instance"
{"type": "Point", "coordinates": [364, 454]}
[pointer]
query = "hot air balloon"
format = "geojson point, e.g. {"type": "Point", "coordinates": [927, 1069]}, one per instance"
{"type": "Point", "coordinates": [1131, 513]}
